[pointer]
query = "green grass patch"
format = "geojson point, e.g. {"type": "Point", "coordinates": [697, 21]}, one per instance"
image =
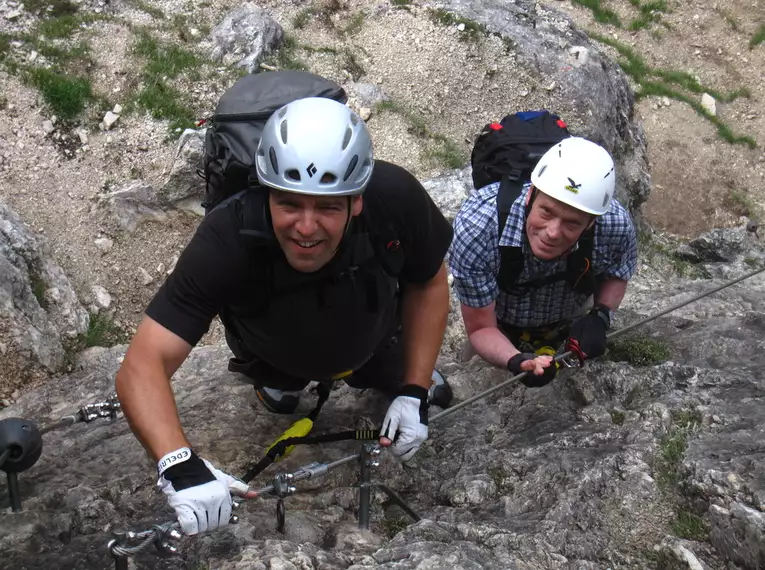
{"type": "Point", "coordinates": [392, 526]}
{"type": "Point", "coordinates": [650, 12]}
{"type": "Point", "coordinates": [55, 8]}
{"type": "Point", "coordinates": [667, 83]}
{"type": "Point", "coordinates": [729, 19]}
{"type": "Point", "coordinates": [286, 56]}
{"type": "Point", "coordinates": [39, 287]}
{"type": "Point", "coordinates": [439, 148]}
{"type": "Point", "coordinates": [164, 60]}
{"type": "Point", "coordinates": [301, 19]}
{"type": "Point", "coordinates": [5, 45]}
{"type": "Point", "coordinates": [688, 419]}
{"type": "Point", "coordinates": [352, 64]}
{"type": "Point", "coordinates": [617, 417]}
{"type": "Point", "coordinates": [671, 449]}
{"type": "Point", "coordinates": [61, 27]}
{"type": "Point", "coordinates": [446, 152]}
{"type": "Point", "coordinates": [102, 332]}
{"type": "Point", "coordinates": [601, 14]}
{"type": "Point", "coordinates": [66, 95]}
{"type": "Point", "coordinates": [758, 37]}
{"type": "Point", "coordinates": [355, 23]}
{"type": "Point", "coordinates": [638, 350]}
{"type": "Point", "coordinates": [165, 102]}
{"type": "Point", "coordinates": [473, 30]}
{"type": "Point", "coordinates": [739, 202]}
{"type": "Point", "coordinates": [152, 11]}
{"type": "Point", "coordinates": [690, 526]}
{"type": "Point", "coordinates": [402, 4]}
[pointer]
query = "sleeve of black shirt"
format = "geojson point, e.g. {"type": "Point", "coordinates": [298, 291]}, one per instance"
{"type": "Point", "coordinates": [210, 273]}
{"type": "Point", "coordinates": [424, 232]}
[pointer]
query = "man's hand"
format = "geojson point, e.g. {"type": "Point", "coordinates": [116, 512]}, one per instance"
{"type": "Point", "coordinates": [590, 331]}
{"type": "Point", "coordinates": [542, 369]}
{"type": "Point", "coordinates": [406, 423]}
{"type": "Point", "coordinates": [199, 493]}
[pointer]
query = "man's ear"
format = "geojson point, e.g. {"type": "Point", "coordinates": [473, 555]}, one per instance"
{"type": "Point", "coordinates": [357, 204]}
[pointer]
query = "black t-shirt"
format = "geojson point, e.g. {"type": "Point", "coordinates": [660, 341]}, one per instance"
{"type": "Point", "coordinates": [312, 332]}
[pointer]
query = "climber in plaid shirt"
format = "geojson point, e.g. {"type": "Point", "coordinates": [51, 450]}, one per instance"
{"type": "Point", "coordinates": [567, 245]}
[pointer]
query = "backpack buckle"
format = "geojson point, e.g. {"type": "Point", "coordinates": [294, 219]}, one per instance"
{"type": "Point", "coordinates": [514, 174]}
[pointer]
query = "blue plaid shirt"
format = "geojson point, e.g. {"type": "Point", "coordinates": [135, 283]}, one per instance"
{"type": "Point", "coordinates": [474, 260]}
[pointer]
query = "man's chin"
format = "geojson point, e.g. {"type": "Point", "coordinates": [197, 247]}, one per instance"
{"type": "Point", "coordinates": [545, 253]}
{"type": "Point", "coordinates": [306, 264]}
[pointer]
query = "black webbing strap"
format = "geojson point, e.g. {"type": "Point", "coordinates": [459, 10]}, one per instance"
{"type": "Point", "coordinates": [280, 447]}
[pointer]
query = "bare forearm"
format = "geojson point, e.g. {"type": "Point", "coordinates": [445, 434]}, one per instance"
{"type": "Point", "coordinates": [149, 406]}
{"type": "Point", "coordinates": [424, 314]}
{"type": "Point", "coordinates": [493, 346]}
{"type": "Point", "coordinates": [611, 293]}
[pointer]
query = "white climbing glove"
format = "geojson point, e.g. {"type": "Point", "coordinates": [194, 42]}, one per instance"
{"type": "Point", "coordinates": [406, 423]}
{"type": "Point", "coordinates": [199, 493]}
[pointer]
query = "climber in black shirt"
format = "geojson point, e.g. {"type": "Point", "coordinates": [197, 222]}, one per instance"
{"type": "Point", "coordinates": [334, 271]}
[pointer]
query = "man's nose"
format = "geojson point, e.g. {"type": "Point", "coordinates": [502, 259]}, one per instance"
{"type": "Point", "coordinates": [306, 224]}
{"type": "Point", "coordinates": [553, 229]}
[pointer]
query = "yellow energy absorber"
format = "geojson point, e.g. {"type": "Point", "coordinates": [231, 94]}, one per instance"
{"type": "Point", "coordinates": [342, 375]}
{"type": "Point", "coordinates": [548, 351]}
{"type": "Point", "coordinates": [300, 428]}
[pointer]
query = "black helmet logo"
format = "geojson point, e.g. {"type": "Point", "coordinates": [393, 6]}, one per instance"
{"type": "Point", "coordinates": [311, 170]}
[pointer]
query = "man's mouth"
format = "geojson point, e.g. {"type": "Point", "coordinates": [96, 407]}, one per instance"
{"type": "Point", "coordinates": [307, 244]}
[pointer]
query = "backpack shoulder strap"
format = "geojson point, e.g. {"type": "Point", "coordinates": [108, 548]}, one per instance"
{"type": "Point", "coordinates": [510, 257]}
{"type": "Point", "coordinates": [385, 242]}
{"type": "Point", "coordinates": [249, 215]}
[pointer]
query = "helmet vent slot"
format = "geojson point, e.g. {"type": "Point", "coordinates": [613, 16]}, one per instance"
{"type": "Point", "coordinates": [351, 166]}
{"type": "Point", "coordinates": [274, 162]}
{"type": "Point", "coordinates": [347, 137]}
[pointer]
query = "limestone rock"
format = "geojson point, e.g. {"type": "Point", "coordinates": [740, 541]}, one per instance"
{"type": "Point", "coordinates": [39, 309]}
{"type": "Point", "coordinates": [245, 37]}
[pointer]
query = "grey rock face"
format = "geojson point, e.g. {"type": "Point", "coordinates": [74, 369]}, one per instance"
{"type": "Point", "coordinates": [183, 187]}
{"type": "Point", "coordinates": [245, 37]}
{"type": "Point", "coordinates": [597, 85]}
{"type": "Point", "coordinates": [449, 190]}
{"type": "Point", "coordinates": [39, 308]}
{"type": "Point", "coordinates": [368, 94]}
{"type": "Point", "coordinates": [718, 245]}
{"type": "Point", "coordinates": [134, 203]}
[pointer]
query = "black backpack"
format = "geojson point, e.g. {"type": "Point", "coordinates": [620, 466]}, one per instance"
{"type": "Point", "coordinates": [235, 128]}
{"type": "Point", "coordinates": [507, 152]}
{"type": "Point", "coordinates": [230, 147]}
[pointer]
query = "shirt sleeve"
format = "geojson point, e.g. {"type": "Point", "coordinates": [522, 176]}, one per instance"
{"type": "Point", "coordinates": [473, 256]}
{"type": "Point", "coordinates": [622, 259]}
{"type": "Point", "coordinates": [209, 273]}
{"type": "Point", "coordinates": [424, 231]}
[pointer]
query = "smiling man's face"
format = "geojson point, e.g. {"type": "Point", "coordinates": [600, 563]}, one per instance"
{"type": "Point", "coordinates": [553, 227]}
{"type": "Point", "coordinates": [309, 228]}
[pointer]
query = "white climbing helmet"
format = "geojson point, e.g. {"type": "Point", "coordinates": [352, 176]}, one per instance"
{"type": "Point", "coordinates": [579, 173]}
{"type": "Point", "coordinates": [315, 146]}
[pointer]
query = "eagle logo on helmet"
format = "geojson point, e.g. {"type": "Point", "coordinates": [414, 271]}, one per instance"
{"type": "Point", "coordinates": [572, 186]}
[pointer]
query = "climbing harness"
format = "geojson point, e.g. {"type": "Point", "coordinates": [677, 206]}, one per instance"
{"type": "Point", "coordinates": [21, 441]}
